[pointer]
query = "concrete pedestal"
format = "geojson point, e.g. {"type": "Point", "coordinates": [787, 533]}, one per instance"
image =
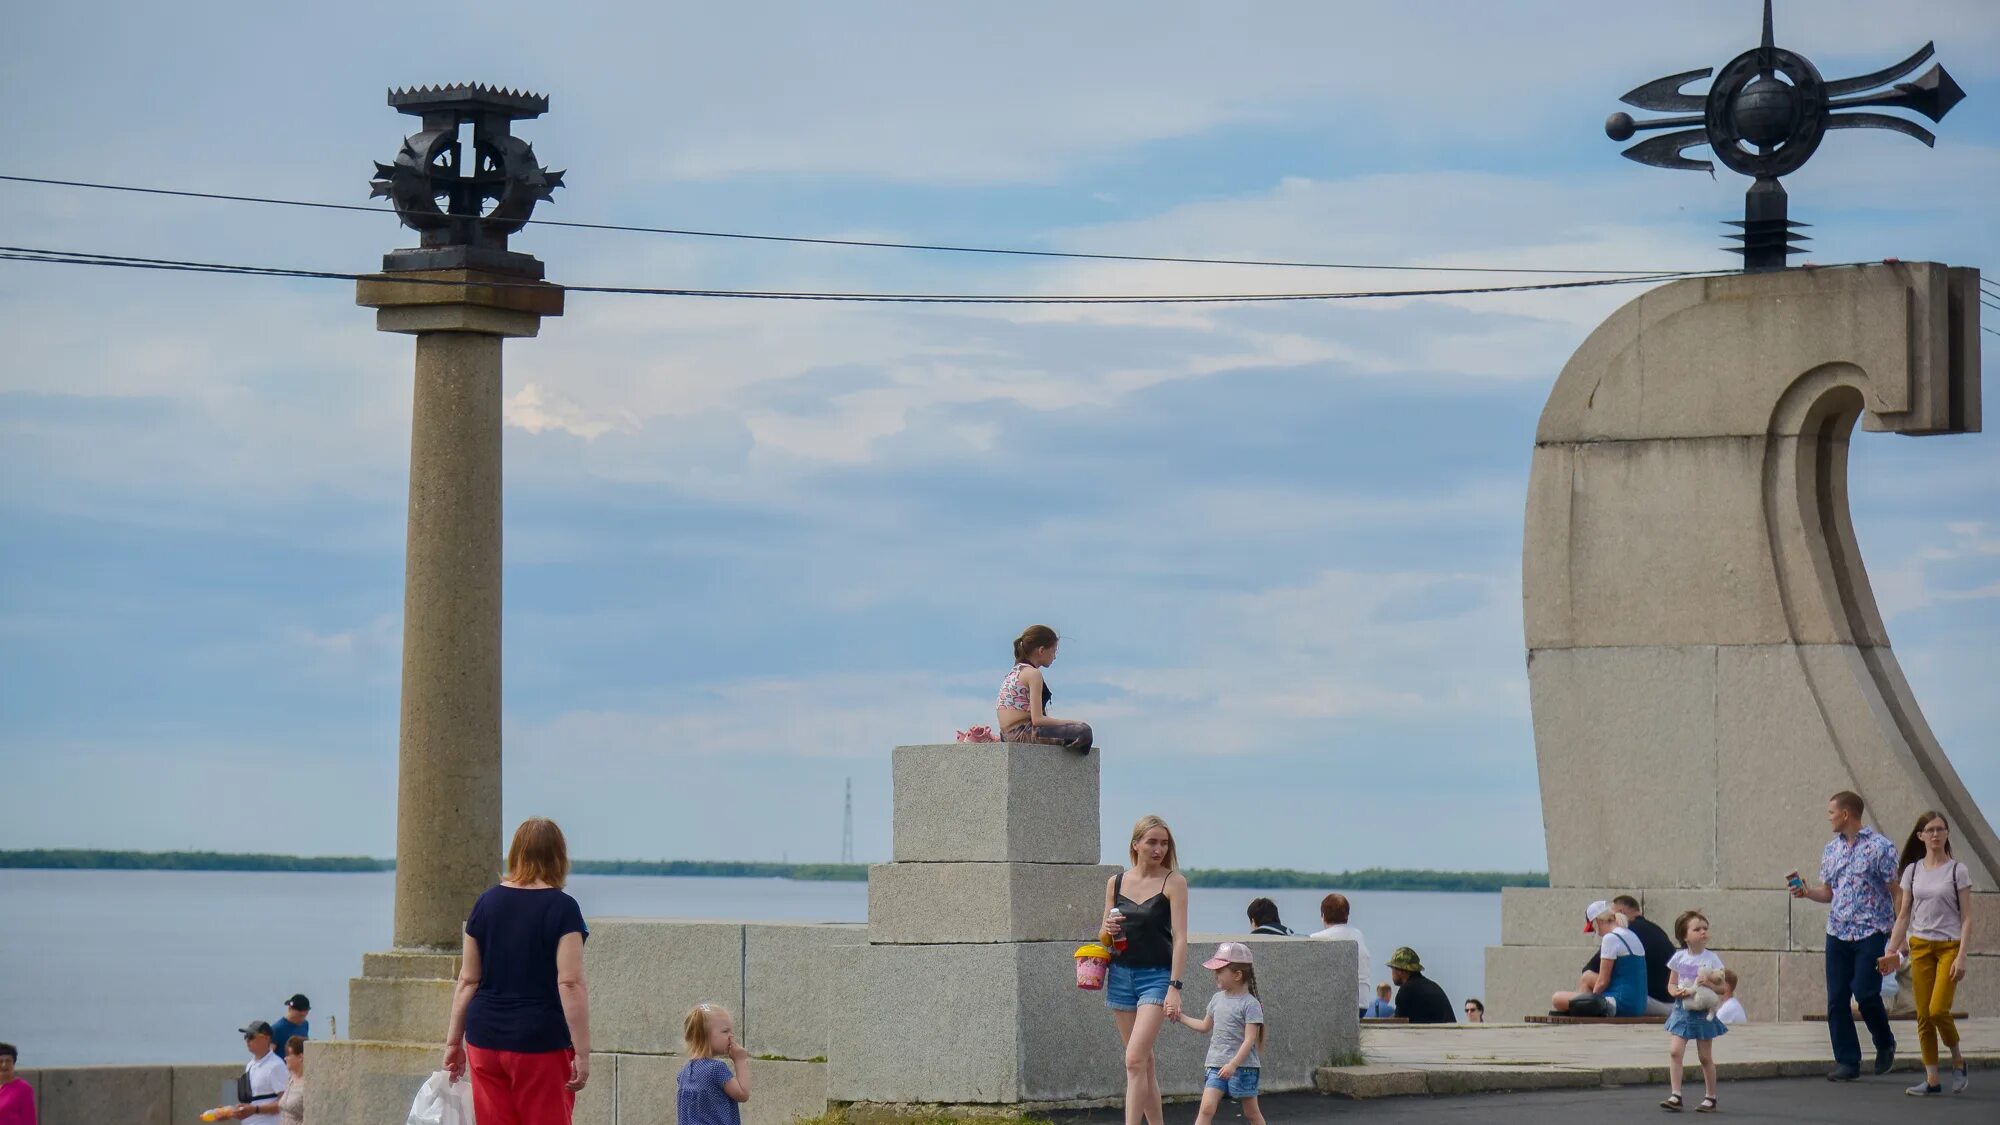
{"type": "Point", "coordinates": [1706, 662]}
{"type": "Point", "coordinates": [965, 993]}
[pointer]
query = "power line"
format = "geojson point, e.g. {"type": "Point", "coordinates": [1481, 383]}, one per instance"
{"type": "Point", "coordinates": [849, 242]}
{"type": "Point", "coordinates": [84, 258]}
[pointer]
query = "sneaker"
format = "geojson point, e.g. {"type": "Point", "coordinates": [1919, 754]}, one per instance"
{"type": "Point", "coordinates": [1885, 1060]}
{"type": "Point", "coordinates": [1924, 1090]}
{"type": "Point", "coordinates": [1960, 1079]}
{"type": "Point", "coordinates": [1843, 1074]}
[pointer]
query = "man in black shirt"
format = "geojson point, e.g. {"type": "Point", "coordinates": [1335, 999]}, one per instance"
{"type": "Point", "coordinates": [1418, 997]}
{"type": "Point", "coordinates": [1659, 949]}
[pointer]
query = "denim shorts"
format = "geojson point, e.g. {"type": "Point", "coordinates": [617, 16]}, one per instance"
{"type": "Point", "coordinates": [1242, 1084]}
{"type": "Point", "coordinates": [1127, 988]}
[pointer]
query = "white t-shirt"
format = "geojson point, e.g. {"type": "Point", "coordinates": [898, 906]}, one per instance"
{"type": "Point", "coordinates": [1731, 1011]}
{"type": "Point", "coordinates": [1688, 966]}
{"type": "Point", "coordinates": [1364, 964]}
{"type": "Point", "coordinates": [268, 1077]}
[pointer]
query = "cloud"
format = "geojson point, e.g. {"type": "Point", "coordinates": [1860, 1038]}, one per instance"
{"type": "Point", "coordinates": [533, 409]}
{"type": "Point", "coordinates": [1912, 583]}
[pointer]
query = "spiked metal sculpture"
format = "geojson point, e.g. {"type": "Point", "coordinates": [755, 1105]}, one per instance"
{"type": "Point", "coordinates": [1764, 115]}
{"type": "Point", "coordinates": [430, 168]}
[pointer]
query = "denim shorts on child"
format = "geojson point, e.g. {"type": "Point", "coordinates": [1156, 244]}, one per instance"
{"type": "Point", "coordinates": [1127, 988]}
{"type": "Point", "coordinates": [1242, 1084]}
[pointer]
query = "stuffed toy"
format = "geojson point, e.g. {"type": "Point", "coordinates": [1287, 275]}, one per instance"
{"type": "Point", "coordinates": [1704, 998]}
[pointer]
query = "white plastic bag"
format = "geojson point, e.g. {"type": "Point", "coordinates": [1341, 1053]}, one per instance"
{"type": "Point", "coordinates": [440, 1101]}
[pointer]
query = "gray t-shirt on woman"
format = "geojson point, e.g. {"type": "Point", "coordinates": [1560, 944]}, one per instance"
{"type": "Point", "coordinates": [1934, 899]}
{"type": "Point", "coordinates": [1232, 1014]}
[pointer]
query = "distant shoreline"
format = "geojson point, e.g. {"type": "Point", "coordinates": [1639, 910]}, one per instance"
{"type": "Point", "coordinates": [1271, 878]}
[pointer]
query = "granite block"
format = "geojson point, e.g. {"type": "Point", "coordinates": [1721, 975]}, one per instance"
{"type": "Point", "coordinates": [957, 903]}
{"type": "Point", "coordinates": [644, 975]}
{"type": "Point", "coordinates": [995, 802]}
{"type": "Point", "coordinates": [788, 1000]}
{"type": "Point", "coordinates": [94, 1095]}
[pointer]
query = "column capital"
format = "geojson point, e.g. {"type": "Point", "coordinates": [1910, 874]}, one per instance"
{"type": "Point", "coordinates": [458, 300]}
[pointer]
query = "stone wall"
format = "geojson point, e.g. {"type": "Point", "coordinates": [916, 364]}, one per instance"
{"type": "Point", "coordinates": [374, 1083]}
{"type": "Point", "coordinates": [1773, 941]}
{"type": "Point", "coordinates": [131, 1095]}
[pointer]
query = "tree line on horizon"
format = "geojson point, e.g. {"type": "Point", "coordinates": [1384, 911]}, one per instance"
{"type": "Point", "coordinates": [1264, 878]}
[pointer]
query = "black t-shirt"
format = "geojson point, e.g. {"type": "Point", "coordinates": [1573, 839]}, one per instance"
{"type": "Point", "coordinates": [517, 1007]}
{"type": "Point", "coordinates": [1420, 1000]}
{"type": "Point", "coordinates": [1659, 950]}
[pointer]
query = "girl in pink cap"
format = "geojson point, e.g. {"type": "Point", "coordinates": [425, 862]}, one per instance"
{"type": "Point", "coordinates": [1234, 1022]}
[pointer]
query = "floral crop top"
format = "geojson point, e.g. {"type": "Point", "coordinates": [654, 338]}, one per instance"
{"type": "Point", "coordinates": [1014, 693]}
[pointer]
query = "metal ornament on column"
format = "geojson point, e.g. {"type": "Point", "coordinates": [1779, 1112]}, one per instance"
{"type": "Point", "coordinates": [1764, 116]}
{"type": "Point", "coordinates": [431, 166]}
{"type": "Point", "coordinates": [460, 293]}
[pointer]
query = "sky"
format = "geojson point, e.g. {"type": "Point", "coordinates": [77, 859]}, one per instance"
{"type": "Point", "coordinates": [750, 546]}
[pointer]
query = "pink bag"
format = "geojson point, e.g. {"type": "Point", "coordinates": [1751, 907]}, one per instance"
{"type": "Point", "coordinates": [978, 734]}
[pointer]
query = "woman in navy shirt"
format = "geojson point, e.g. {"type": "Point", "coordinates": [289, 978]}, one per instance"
{"type": "Point", "coordinates": [521, 1014]}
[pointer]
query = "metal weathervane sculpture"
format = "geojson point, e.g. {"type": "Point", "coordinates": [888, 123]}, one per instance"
{"type": "Point", "coordinates": [1764, 116]}
{"type": "Point", "coordinates": [443, 196]}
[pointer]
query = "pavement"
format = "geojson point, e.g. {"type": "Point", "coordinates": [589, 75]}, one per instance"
{"type": "Point", "coordinates": [1534, 1073]}
{"type": "Point", "coordinates": [1871, 1101]}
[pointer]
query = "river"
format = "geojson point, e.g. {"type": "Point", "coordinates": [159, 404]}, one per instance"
{"type": "Point", "coordinates": [164, 966]}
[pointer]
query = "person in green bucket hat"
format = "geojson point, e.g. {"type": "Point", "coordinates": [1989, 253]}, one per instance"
{"type": "Point", "coordinates": [1418, 997]}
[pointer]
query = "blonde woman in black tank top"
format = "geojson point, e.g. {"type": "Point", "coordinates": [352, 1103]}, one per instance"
{"type": "Point", "coordinates": [1147, 906]}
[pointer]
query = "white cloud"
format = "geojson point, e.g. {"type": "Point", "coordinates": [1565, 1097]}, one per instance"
{"type": "Point", "coordinates": [1911, 585]}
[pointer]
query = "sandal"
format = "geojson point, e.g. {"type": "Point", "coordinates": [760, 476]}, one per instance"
{"type": "Point", "coordinates": [1673, 1103]}
{"type": "Point", "coordinates": [1707, 1106]}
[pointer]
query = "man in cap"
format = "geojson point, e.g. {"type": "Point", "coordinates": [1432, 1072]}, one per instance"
{"type": "Point", "coordinates": [1418, 997]}
{"type": "Point", "coordinates": [293, 1022]}
{"type": "Point", "coordinates": [265, 1076]}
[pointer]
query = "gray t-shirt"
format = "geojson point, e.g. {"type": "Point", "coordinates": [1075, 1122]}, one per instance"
{"type": "Point", "coordinates": [1231, 1015]}
{"type": "Point", "coordinates": [1934, 900]}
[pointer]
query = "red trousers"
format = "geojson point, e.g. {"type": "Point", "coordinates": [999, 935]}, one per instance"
{"type": "Point", "coordinates": [521, 1087]}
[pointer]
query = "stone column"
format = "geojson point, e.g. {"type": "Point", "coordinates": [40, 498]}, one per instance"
{"type": "Point", "coordinates": [448, 830]}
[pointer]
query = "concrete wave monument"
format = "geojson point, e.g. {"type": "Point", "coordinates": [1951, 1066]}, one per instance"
{"type": "Point", "coordinates": [1706, 660]}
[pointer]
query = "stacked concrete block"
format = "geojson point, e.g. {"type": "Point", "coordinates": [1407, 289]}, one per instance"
{"type": "Point", "coordinates": [965, 993]}
{"type": "Point", "coordinates": [645, 973]}
{"type": "Point", "coordinates": [1706, 661]}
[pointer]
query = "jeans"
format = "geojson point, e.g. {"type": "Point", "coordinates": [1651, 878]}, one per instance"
{"type": "Point", "coordinates": [1851, 974]}
{"type": "Point", "coordinates": [1075, 736]}
{"type": "Point", "coordinates": [1930, 979]}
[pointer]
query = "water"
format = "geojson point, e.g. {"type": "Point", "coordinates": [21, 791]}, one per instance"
{"type": "Point", "coordinates": [164, 966]}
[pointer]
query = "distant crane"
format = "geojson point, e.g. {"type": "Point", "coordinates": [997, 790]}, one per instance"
{"type": "Point", "coordinates": [847, 827]}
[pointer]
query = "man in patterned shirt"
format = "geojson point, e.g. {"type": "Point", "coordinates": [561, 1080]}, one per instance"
{"type": "Point", "coordinates": [1857, 873]}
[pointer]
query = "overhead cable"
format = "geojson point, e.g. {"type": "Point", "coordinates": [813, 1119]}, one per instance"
{"type": "Point", "coordinates": [850, 242]}
{"type": "Point", "coordinates": [85, 258]}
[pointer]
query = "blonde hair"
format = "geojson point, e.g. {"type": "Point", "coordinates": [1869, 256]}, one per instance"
{"type": "Point", "coordinates": [694, 1030]}
{"type": "Point", "coordinates": [539, 854]}
{"type": "Point", "coordinates": [1146, 824]}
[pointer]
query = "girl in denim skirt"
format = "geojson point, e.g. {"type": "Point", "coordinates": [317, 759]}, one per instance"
{"type": "Point", "coordinates": [1145, 924]}
{"type": "Point", "coordinates": [1684, 971]}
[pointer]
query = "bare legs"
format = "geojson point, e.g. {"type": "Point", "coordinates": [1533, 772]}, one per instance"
{"type": "Point", "coordinates": [1211, 1100]}
{"type": "Point", "coordinates": [1677, 1068]}
{"type": "Point", "coordinates": [1139, 1031]}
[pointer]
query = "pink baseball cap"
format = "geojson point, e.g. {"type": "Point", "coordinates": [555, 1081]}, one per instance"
{"type": "Point", "coordinates": [1228, 953]}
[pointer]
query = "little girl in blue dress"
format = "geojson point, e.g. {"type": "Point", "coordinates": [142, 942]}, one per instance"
{"type": "Point", "coordinates": [1684, 972]}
